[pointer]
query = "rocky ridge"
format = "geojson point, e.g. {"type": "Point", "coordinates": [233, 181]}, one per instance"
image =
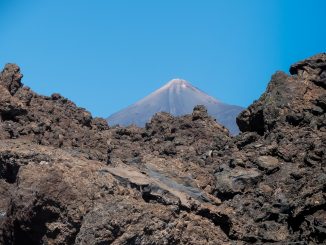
{"type": "Point", "coordinates": [68, 178]}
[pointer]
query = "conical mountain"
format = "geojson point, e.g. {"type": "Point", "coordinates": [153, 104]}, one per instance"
{"type": "Point", "coordinates": [178, 97]}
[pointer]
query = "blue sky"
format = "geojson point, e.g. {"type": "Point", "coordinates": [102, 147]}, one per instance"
{"type": "Point", "coordinates": [105, 55]}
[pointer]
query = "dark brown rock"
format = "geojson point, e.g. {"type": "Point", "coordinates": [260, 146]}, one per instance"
{"type": "Point", "coordinates": [67, 178]}
{"type": "Point", "coordinates": [11, 77]}
{"type": "Point", "coordinates": [268, 163]}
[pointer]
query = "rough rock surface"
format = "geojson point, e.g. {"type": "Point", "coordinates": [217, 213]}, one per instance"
{"type": "Point", "coordinates": [46, 120]}
{"type": "Point", "coordinates": [67, 178]}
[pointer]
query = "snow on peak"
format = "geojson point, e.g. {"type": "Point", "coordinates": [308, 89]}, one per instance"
{"type": "Point", "coordinates": [175, 83]}
{"type": "Point", "coordinates": [177, 97]}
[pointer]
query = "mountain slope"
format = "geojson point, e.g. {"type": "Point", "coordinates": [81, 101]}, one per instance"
{"type": "Point", "coordinates": [177, 97]}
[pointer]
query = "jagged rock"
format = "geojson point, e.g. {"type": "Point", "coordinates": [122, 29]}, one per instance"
{"type": "Point", "coordinates": [268, 163]}
{"type": "Point", "coordinates": [51, 120]}
{"type": "Point", "coordinates": [288, 99]}
{"type": "Point", "coordinates": [315, 65]}
{"type": "Point", "coordinates": [235, 181]}
{"type": "Point", "coordinates": [264, 113]}
{"type": "Point", "coordinates": [113, 223]}
{"type": "Point", "coordinates": [200, 112]}
{"type": "Point", "coordinates": [321, 102]}
{"type": "Point", "coordinates": [10, 78]}
{"type": "Point", "coordinates": [68, 178]}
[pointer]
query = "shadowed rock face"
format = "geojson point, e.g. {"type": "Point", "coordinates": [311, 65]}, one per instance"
{"type": "Point", "coordinates": [67, 178]}
{"type": "Point", "coordinates": [295, 100]}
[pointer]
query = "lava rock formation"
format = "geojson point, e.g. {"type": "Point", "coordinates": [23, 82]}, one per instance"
{"type": "Point", "coordinates": [69, 178]}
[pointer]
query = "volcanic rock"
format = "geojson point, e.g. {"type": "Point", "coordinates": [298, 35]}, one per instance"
{"type": "Point", "coordinates": [68, 178]}
{"type": "Point", "coordinates": [267, 163]}
{"type": "Point", "coordinates": [11, 78]}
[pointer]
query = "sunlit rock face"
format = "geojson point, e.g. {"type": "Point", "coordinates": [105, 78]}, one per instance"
{"type": "Point", "coordinates": [178, 97]}
{"type": "Point", "coordinates": [69, 178]}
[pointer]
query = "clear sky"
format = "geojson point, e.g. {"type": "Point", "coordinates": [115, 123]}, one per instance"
{"type": "Point", "coordinates": [105, 55]}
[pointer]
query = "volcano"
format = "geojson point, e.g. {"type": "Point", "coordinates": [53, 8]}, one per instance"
{"type": "Point", "coordinates": [178, 97]}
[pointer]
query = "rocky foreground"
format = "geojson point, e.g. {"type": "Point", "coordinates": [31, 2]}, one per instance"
{"type": "Point", "coordinates": [67, 178]}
